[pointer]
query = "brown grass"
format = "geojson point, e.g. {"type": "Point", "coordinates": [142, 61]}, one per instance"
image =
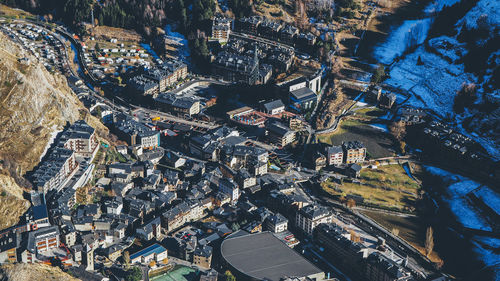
{"type": "Point", "coordinates": [388, 187]}
{"type": "Point", "coordinates": [410, 229]}
{"type": "Point", "coordinates": [7, 11]}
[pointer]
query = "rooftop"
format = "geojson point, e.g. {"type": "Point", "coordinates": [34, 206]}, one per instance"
{"type": "Point", "coordinates": [263, 256]}
{"type": "Point", "coordinates": [302, 93]}
{"type": "Point", "coordinates": [153, 249]}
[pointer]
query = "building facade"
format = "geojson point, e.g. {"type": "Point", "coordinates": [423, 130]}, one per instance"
{"type": "Point", "coordinates": [309, 217]}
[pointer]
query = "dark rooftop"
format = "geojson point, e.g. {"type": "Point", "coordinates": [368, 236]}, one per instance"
{"type": "Point", "coordinates": [263, 256]}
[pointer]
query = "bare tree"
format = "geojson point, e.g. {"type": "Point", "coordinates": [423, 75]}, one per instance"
{"type": "Point", "coordinates": [398, 130]}
{"type": "Point", "coordinates": [429, 241]}
{"type": "Point", "coordinates": [351, 203]}
{"type": "Point", "coordinates": [395, 231]}
{"type": "Point", "coordinates": [126, 259]}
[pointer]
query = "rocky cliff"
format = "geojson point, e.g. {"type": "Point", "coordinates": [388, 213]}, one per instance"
{"type": "Point", "coordinates": [40, 272]}
{"type": "Point", "coordinates": [34, 106]}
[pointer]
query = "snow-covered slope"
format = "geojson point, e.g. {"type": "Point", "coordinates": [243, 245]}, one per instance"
{"type": "Point", "coordinates": [438, 67]}
{"type": "Point", "coordinates": [472, 216]}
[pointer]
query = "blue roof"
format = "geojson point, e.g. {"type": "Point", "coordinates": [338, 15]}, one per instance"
{"type": "Point", "coordinates": [39, 212]}
{"type": "Point", "coordinates": [153, 249]}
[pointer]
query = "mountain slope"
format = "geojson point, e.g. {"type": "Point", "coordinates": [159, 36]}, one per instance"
{"type": "Point", "coordinates": [458, 48]}
{"type": "Point", "coordinates": [34, 104]}
{"type": "Point", "coordinates": [21, 272]}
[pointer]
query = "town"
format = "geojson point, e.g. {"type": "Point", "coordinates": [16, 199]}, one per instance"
{"type": "Point", "coordinates": [234, 173]}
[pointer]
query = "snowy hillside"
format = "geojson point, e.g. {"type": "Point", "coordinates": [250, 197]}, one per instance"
{"type": "Point", "coordinates": [437, 67]}
{"type": "Point", "coordinates": [471, 215]}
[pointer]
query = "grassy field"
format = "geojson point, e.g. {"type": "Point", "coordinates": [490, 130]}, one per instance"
{"type": "Point", "coordinates": [411, 229]}
{"type": "Point", "coordinates": [358, 127]}
{"type": "Point", "coordinates": [379, 144]}
{"type": "Point", "coordinates": [386, 187]}
{"type": "Point", "coordinates": [9, 12]}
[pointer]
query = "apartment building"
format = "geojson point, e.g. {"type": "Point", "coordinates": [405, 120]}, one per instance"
{"type": "Point", "coordinates": [335, 155]}
{"type": "Point", "coordinates": [135, 133]}
{"type": "Point", "coordinates": [279, 134]}
{"type": "Point", "coordinates": [310, 216]}
{"type": "Point", "coordinates": [81, 138]}
{"type": "Point", "coordinates": [221, 28]}
{"type": "Point", "coordinates": [354, 152]}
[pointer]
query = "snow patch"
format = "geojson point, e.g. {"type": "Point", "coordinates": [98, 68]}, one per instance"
{"type": "Point", "coordinates": [487, 9]}
{"type": "Point", "coordinates": [433, 83]}
{"type": "Point", "coordinates": [466, 215]}
{"type": "Point", "coordinates": [458, 187]}
{"type": "Point", "coordinates": [183, 51]}
{"type": "Point", "coordinates": [490, 198]}
{"type": "Point", "coordinates": [150, 50]}
{"type": "Point", "coordinates": [399, 39]}
{"type": "Point", "coordinates": [437, 6]}
{"type": "Point", "coordinates": [486, 249]}
{"type": "Point", "coordinates": [53, 136]}
{"type": "Point", "coordinates": [380, 127]}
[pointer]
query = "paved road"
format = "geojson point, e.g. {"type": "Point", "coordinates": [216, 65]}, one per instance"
{"type": "Point", "coordinates": [260, 39]}
{"type": "Point", "coordinates": [126, 107]}
{"type": "Point", "coordinates": [172, 118]}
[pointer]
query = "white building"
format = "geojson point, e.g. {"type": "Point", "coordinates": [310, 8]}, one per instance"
{"type": "Point", "coordinates": [311, 216]}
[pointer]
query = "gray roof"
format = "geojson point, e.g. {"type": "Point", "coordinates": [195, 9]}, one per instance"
{"type": "Point", "coordinates": [303, 93]}
{"type": "Point", "coordinates": [334, 149]}
{"type": "Point", "coordinates": [263, 256]}
{"type": "Point", "coordinates": [273, 105]}
{"type": "Point", "coordinates": [314, 211]}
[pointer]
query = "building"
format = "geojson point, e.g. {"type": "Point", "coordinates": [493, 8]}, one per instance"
{"type": "Point", "coordinates": [42, 240]}
{"type": "Point", "coordinates": [159, 76]}
{"type": "Point", "coordinates": [8, 247]}
{"type": "Point", "coordinates": [81, 138]}
{"type": "Point", "coordinates": [288, 34]}
{"type": "Point", "coordinates": [387, 100]}
{"type": "Point", "coordinates": [135, 133]}
{"type": "Point", "coordinates": [335, 155]}
{"type": "Point", "coordinates": [276, 223]}
{"type": "Point", "coordinates": [279, 134]}
{"type": "Point", "coordinates": [354, 152]}
{"type": "Point", "coordinates": [211, 275]}
{"type": "Point", "coordinates": [229, 187]}
{"type": "Point", "coordinates": [262, 256]}
{"type": "Point", "coordinates": [273, 107]}
{"type": "Point", "coordinates": [339, 246]}
{"type": "Point", "coordinates": [143, 86]}
{"type": "Point", "coordinates": [54, 171]}
{"type": "Point", "coordinates": [353, 170]}
{"type": "Point", "coordinates": [265, 73]}
{"type": "Point", "coordinates": [237, 68]}
{"type": "Point", "coordinates": [302, 99]}
{"type": "Point", "coordinates": [380, 268]}
{"type": "Point", "coordinates": [179, 105]}
{"type": "Point", "coordinates": [306, 39]}
{"type": "Point", "coordinates": [221, 28]}
{"type": "Point", "coordinates": [270, 29]}
{"type": "Point", "coordinates": [249, 24]}
{"type": "Point", "coordinates": [308, 217]}
{"type": "Point", "coordinates": [202, 256]}
{"type": "Point", "coordinates": [177, 70]}
{"type": "Point", "coordinates": [154, 252]}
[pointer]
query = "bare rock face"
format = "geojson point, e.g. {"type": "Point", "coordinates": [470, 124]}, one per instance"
{"type": "Point", "coordinates": [33, 105]}
{"type": "Point", "coordinates": [40, 272]}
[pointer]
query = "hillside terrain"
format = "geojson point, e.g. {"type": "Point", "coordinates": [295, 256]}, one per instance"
{"type": "Point", "coordinates": [25, 272]}
{"type": "Point", "coordinates": [34, 106]}
{"type": "Point", "coordinates": [450, 65]}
